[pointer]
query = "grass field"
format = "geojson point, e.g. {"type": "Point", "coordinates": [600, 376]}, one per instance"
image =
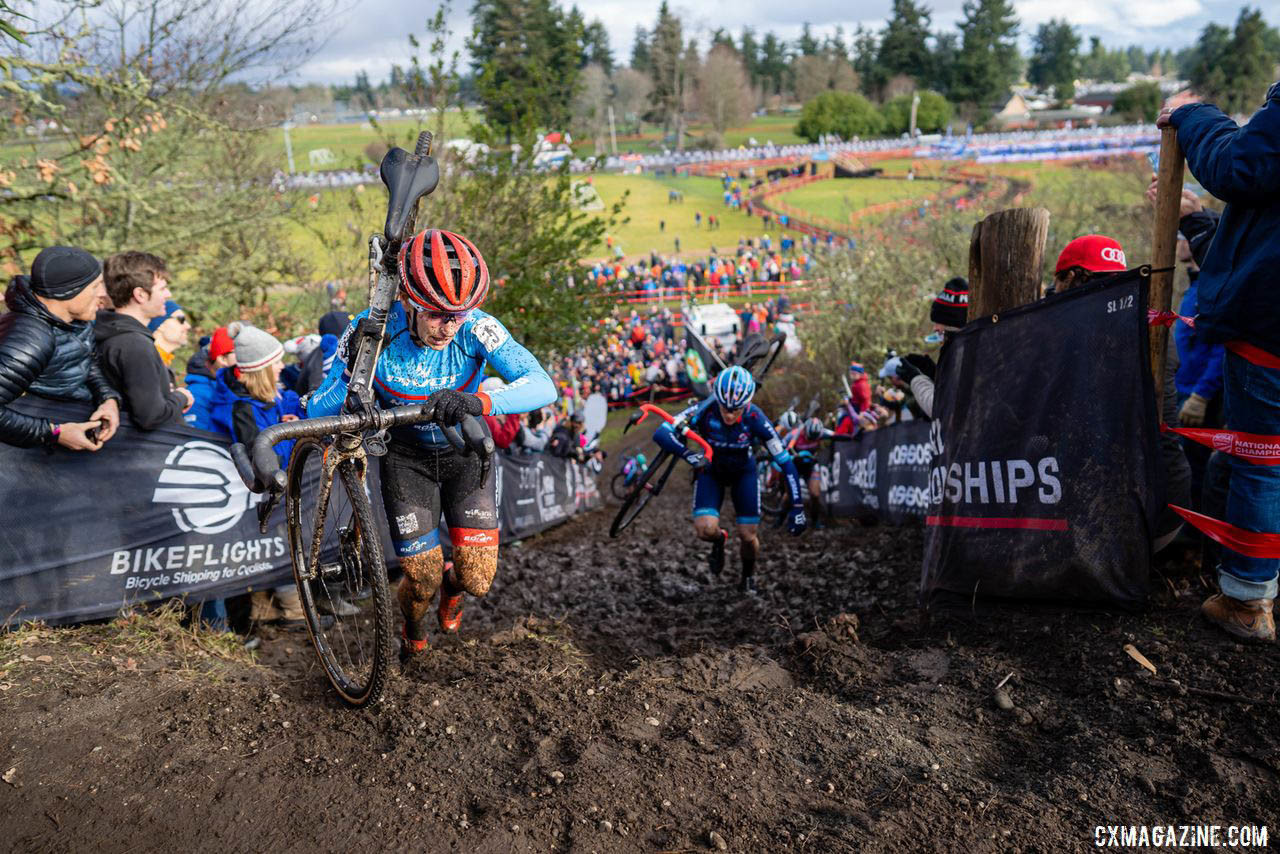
{"type": "Point", "coordinates": [837, 199]}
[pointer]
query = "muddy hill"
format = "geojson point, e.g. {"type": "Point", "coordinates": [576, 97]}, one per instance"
{"type": "Point", "coordinates": [611, 695]}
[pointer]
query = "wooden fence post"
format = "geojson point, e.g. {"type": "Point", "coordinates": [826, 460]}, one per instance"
{"type": "Point", "coordinates": [1164, 245]}
{"type": "Point", "coordinates": [1006, 252]}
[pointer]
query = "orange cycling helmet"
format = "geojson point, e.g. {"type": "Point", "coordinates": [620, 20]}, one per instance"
{"type": "Point", "coordinates": [443, 271]}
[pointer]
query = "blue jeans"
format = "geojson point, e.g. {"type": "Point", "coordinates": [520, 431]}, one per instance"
{"type": "Point", "coordinates": [1252, 398]}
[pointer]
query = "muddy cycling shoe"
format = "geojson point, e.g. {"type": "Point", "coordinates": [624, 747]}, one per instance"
{"type": "Point", "coordinates": [716, 561]}
{"type": "Point", "coordinates": [411, 649]}
{"type": "Point", "coordinates": [748, 585]}
{"type": "Point", "coordinates": [449, 611]}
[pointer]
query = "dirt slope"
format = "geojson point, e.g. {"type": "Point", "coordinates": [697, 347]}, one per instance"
{"type": "Point", "coordinates": [612, 696]}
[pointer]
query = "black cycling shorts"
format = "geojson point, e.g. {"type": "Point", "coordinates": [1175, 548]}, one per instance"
{"type": "Point", "coordinates": [418, 483]}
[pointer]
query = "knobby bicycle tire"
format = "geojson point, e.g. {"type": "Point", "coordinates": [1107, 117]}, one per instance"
{"type": "Point", "coordinates": [646, 487]}
{"type": "Point", "coordinates": [618, 486]}
{"type": "Point", "coordinates": [355, 650]}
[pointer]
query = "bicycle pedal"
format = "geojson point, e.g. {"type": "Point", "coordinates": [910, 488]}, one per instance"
{"type": "Point", "coordinates": [375, 444]}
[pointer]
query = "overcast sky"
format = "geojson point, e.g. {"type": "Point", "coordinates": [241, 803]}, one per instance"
{"type": "Point", "coordinates": [363, 36]}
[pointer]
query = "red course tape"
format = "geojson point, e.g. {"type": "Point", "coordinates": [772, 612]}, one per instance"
{"type": "Point", "coordinates": [1247, 543]}
{"type": "Point", "coordinates": [1255, 448]}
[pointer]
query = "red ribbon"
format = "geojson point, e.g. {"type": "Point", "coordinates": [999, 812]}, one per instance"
{"type": "Point", "coordinates": [1168, 318]}
{"type": "Point", "coordinates": [1255, 448]}
{"type": "Point", "coordinates": [1247, 543]}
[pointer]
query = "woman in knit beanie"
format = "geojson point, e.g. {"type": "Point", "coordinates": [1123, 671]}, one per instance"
{"type": "Point", "coordinates": [247, 400]}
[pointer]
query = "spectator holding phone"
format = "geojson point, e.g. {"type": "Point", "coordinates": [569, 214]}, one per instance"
{"type": "Point", "coordinates": [46, 349]}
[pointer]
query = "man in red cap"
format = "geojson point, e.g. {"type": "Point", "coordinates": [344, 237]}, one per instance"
{"type": "Point", "coordinates": [1086, 257]}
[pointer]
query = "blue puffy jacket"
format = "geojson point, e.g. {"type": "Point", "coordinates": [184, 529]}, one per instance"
{"type": "Point", "coordinates": [201, 383]}
{"type": "Point", "coordinates": [1199, 362]}
{"type": "Point", "coordinates": [238, 415]}
{"type": "Point", "coordinates": [1241, 166]}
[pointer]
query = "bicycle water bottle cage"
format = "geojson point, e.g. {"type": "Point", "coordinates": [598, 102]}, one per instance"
{"type": "Point", "coordinates": [408, 177]}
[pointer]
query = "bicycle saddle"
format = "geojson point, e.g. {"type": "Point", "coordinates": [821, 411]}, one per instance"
{"type": "Point", "coordinates": [408, 177]}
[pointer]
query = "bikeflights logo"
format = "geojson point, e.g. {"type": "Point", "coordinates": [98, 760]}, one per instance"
{"type": "Point", "coordinates": [200, 480]}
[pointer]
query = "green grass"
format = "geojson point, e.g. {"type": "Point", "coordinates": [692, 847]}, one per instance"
{"type": "Point", "coordinates": [780, 130]}
{"type": "Point", "coordinates": [348, 141]}
{"type": "Point", "coordinates": [837, 199]}
{"type": "Point", "coordinates": [647, 206]}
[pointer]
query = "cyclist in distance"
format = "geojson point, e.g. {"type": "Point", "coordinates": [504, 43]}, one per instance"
{"type": "Point", "coordinates": [806, 440]}
{"type": "Point", "coordinates": [437, 345]}
{"type": "Point", "coordinates": [732, 424]}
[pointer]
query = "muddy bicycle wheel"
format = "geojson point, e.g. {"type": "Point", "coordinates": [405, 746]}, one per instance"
{"type": "Point", "coordinates": [642, 491]}
{"type": "Point", "coordinates": [618, 486]}
{"type": "Point", "coordinates": [344, 593]}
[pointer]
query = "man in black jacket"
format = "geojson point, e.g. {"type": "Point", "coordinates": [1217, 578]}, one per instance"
{"type": "Point", "coordinates": [138, 284]}
{"type": "Point", "coordinates": [564, 439]}
{"type": "Point", "coordinates": [46, 349]}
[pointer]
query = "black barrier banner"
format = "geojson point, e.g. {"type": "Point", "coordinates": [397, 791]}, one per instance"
{"type": "Point", "coordinates": [537, 491]}
{"type": "Point", "coordinates": [884, 473]}
{"type": "Point", "coordinates": [1044, 482]}
{"type": "Point", "coordinates": [160, 514]}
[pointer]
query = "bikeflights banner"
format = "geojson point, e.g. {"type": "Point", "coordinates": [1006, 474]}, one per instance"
{"type": "Point", "coordinates": [537, 491]}
{"type": "Point", "coordinates": [1044, 482]}
{"type": "Point", "coordinates": [162, 514]}
{"type": "Point", "coordinates": [882, 474]}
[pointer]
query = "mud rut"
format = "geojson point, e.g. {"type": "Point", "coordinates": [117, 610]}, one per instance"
{"type": "Point", "coordinates": [612, 696]}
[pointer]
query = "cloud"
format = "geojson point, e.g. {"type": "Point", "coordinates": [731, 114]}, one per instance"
{"type": "Point", "coordinates": [360, 38]}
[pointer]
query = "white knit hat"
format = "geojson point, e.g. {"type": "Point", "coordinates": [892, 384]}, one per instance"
{"type": "Point", "coordinates": [254, 348]}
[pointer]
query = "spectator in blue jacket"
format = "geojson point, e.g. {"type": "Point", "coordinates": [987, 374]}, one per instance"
{"type": "Point", "coordinates": [246, 401]}
{"type": "Point", "coordinates": [248, 398]}
{"type": "Point", "coordinates": [202, 376]}
{"type": "Point", "coordinates": [1238, 307]}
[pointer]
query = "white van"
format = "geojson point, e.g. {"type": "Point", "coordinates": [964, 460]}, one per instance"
{"type": "Point", "coordinates": [717, 320]}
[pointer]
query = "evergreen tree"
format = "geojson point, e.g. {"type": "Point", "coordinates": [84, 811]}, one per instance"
{"type": "Point", "coordinates": [863, 56]}
{"type": "Point", "coordinates": [641, 59]}
{"type": "Point", "coordinates": [835, 44]}
{"type": "Point", "coordinates": [526, 56]}
{"type": "Point", "coordinates": [904, 45]}
{"type": "Point", "coordinates": [807, 45]}
{"type": "Point", "coordinates": [720, 37]}
{"type": "Point", "coordinates": [1055, 61]}
{"type": "Point", "coordinates": [942, 64]}
{"type": "Point", "coordinates": [988, 62]}
{"type": "Point", "coordinates": [1101, 64]}
{"type": "Point", "coordinates": [1251, 62]}
{"type": "Point", "coordinates": [1139, 60]}
{"type": "Point", "coordinates": [774, 64]}
{"type": "Point", "coordinates": [598, 51]}
{"type": "Point", "coordinates": [749, 50]}
{"type": "Point", "coordinates": [1206, 65]}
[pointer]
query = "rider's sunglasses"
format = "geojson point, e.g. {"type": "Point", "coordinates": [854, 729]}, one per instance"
{"type": "Point", "coordinates": [448, 316]}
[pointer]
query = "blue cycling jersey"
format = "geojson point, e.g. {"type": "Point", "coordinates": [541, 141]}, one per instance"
{"type": "Point", "coordinates": [731, 443]}
{"type": "Point", "coordinates": [408, 372]}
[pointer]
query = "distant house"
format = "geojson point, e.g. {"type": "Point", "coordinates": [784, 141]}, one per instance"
{"type": "Point", "coordinates": [1013, 111]}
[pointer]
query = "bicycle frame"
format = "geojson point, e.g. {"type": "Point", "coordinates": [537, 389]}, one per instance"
{"type": "Point", "coordinates": [409, 178]}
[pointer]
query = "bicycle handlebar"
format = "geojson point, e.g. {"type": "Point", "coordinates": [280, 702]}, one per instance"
{"type": "Point", "coordinates": [647, 408]}
{"type": "Point", "coordinates": [259, 467]}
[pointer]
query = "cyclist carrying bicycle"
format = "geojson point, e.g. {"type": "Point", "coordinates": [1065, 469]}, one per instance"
{"type": "Point", "coordinates": [732, 424]}
{"type": "Point", "coordinates": [804, 441]}
{"type": "Point", "coordinates": [435, 351]}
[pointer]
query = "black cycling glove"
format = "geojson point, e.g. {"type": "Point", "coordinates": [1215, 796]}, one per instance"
{"type": "Point", "coordinates": [451, 405]}
{"type": "Point", "coordinates": [907, 371]}
{"type": "Point", "coordinates": [924, 364]}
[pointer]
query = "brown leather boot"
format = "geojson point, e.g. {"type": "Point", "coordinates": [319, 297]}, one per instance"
{"type": "Point", "coordinates": [1251, 619]}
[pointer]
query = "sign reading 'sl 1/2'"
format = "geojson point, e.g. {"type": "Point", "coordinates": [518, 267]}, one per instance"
{"type": "Point", "coordinates": [163, 513]}
{"type": "Point", "coordinates": [1043, 483]}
